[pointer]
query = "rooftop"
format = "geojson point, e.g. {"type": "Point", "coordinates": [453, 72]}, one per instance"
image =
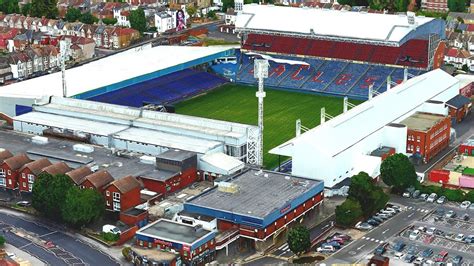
{"type": "Point", "coordinates": [458, 101]}
{"type": "Point", "coordinates": [381, 151]}
{"type": "Point", "coordinates": [158, 174]}
{"type": "Point", "coordinates": [422, 121]}
{"type": "Point", "coordinates": [174, 232]}
{"type": "Point", "coordinates": [175, 155]}
{"type": "Point", "coordinates": [332, 23]}
{"type": "Point", "coordinates": [258, 193]}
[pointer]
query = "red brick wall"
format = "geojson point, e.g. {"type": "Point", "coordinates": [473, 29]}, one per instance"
{"type": "Point", "coordinates": [127, 235]}
{"type": "Point", "coordinates": [175, 183]}
{"type": "Point", "coordinates": [133, 220]}
{"type": "Point", "coordinates": [427, 152]}
{"type": "Point", "coordinates": [23, 179]}
{"type": "Point", "coordinates": [127, 200]}
{"type": "Point", "coordinates": [10, 177]}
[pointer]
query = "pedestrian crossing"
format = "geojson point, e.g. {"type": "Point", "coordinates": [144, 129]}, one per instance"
{"type": "Point", "coordinates": [372, 239]}
{"type": "Point", "coordinates": [283, 250]}
{"type": "Point", "coordinates": [418, 209]}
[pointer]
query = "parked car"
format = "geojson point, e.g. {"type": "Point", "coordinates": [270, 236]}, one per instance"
{"type": "Point", "coordinates": [412, 250]}
{"type": "Point", "coordinates": [465, 204]}
{"type": "Point", "coordinates": [384, 216]}
{"type": "Point", "coordinates": [376, 218]}
{"type": "Point", "coordinates": [406, 194]}
{"type": "Point", "coordinates": [336, 239]}
{"type": "Point", "coordinates": [421, 229]}
{"type": "Point", "coordinates": [24, 203]}
{"type": "Point", "coordinates": [333, 243]}
{"type": "Point", "coordinates": [419, 261]}
{"type": "Point", "coordinates": [459, 237]}
{"type": "Point", "coordinates": [431, 231]}
{"type": "Point", "coordinates": [363, 226]}
{"type": "Point", "coordinates": [414, 235]}
{"type": "Point", "coordinates": [108, 228]}
{"type": "Point", "coordinates": [428, 239]}
{"type": "Point", "coordinates": [466, 217]}
{"type": "Point", "coordinates": [457, 260]}
{"type": "Point", "coordinates": [326, 249]}
{"type": "Point", "coordinates": [380, 250]}
{"type": "Point", "coordinates": [451, 236]}
{"type": "Point", "coordinates": [416, 194]}
{"type": "Point", "coordinates": [344, 237]}
{"type": "Point", "coordinates": [427, 253]}
{"type": "Point", "coordinates": [395, 207]}
{"type": "Point", "coordinates": [423, 196]}
{"type": "Point", "coordinates": [432, 197]}
{"type": "Point", "coordinates": [408, 258]}
{"type": "Point", "coordinates": [399, 246]}
{"type": "Point", "coordinates": [389, 211]}
{"type": "Point", "coordinates": [372, 222]}
{"type": "Point", "coordinates": [450, 214]}
{"type": "Point", "coordinates": [469, 239]}
{"type": "Point", "coordinates": [441, 200]}
{"type": "Point", "coordinates": [440, 212]}
{"type": "Point", "coordinates": [441, 256]}
{"type": "Point", "coordinates": [398, 255]}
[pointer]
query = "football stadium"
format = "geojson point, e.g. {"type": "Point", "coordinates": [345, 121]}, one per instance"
{"type": "Point", "coordinates": [312, 64]}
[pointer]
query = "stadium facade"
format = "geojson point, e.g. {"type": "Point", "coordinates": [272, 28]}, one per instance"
{"type": "Point", "coordinates": [342, 147]}
{"type": "Point", "coordinates": [344, 52]}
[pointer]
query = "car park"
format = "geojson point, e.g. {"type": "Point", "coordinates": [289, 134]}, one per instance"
{"type": "Point", "coordinates": [441, 256]}
{"type": "Point", "coordinates": [363, 226]}
{"type": "Point", "coordinates": [408, 258]}
{"type": "Point", "coordinates": [414, 235]}
{"type": "Point", "coordinates": [432, 197]}
{"type": "Point", "coordinates": [427, 253]}
{"type": "Point", "coordinates": [465, 204]}
{"type": "Point", "coordinates": [399, 246]}
{"type": "Point", "coordinates": [450, 214]}
{"type": "Point", "coordinates": [440, 211]}
{"type": "Point", "coordinates": [441, 200]}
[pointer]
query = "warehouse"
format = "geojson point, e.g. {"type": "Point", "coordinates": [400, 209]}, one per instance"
{"type": "Point", "coordinates": [258, 205]}
{"type": "Point", "coordinates": [135, 130]}
{"type": "Point", "coordinates": [336, 149]}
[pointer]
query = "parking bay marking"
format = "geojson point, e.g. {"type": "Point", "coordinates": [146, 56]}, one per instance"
{"type": "Point", "coordinates": [359, 248]}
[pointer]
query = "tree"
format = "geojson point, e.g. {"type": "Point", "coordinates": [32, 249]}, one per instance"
{"type": "Point", "coordinates": [26, 9]}
{"type": "Point", "coordinates": [370, 197]}
{"type": "Point", "coordinates": [191, 10]}
{"type": "Point", "coordinates": [397, 171]}
{"type": "Point", "coordinates": [470, 196]}
{"type": "Point", "coordinates": [299, 239]}
{"type": "Point", "coordinates": [9, 6]}
{"type": "Point", "coordinates": [401, 5]}
{"type": "Point", "coordinates": [465, 68]}
{"type": "Point", "coordinates": [49, 193]}
{"type": "Point", "coordinates": [138, 20]}
{"type": "Point", "coordinates": [73, 14]}
{"type": "Point", "coordinates": [227, 4]}
{"type": "Point", "coordinates": [47, 8]}
{"type": "Point", "coordinates": [126, 252]}
{"type": "Point", "coordinates": [82, 206]}
{"type": "Point", "coordinates": [212, 15]}
{"type": "Point", "coordinates": [109, 21]}
{"type": "Point", "coordinates": [454, 195]}
{"type": "Point", "coordinates": [2, 241]}
{"type": "Point", "coordinates": [348, 213]}
{"type": "Point", "coordinates": [88, 18]}
{"type": "Point", "coordinates": [457, 5]}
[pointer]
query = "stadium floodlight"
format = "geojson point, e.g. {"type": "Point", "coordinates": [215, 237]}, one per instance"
{"type": "Point", "coordinates": [64, 46]}
{"type": "Point", "coordinates": [260, 73]}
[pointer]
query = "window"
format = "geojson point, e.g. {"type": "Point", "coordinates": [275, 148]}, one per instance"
{"type": "Point", "coordinates": [24, 184]}
{"type": "Point", "coordinates": [417, 148]}
{"type": "Point", "coordinates": [2, 172]}
{"type": "Point", "coordinates": [2, 182]}
{"type": "Point", "coordinates": [417, 138]}
{"type": "Point", "coordinates": [116, 206]}
{"type": "Point", "coordinates": [31, 178]}
{"type": "Point", "coordinates": [30, 187]}
{"type": "Point", "coordinates": [107, 193]}
{"type": "Point", "coordinates": [108, 203]}
{"type": "Point", "coordinates": [116, 196]}
{"type": "Point", "coordinates": [9, 182]}
{"type": "Point", "coordinates": [23, 175]}
{"type": "Point", "coordinates": [149, 244]}
{"type": "Point", "coordinates": [9, 172]}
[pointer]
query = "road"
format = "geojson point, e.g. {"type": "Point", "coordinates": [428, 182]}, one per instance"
{"type": "Point", "coordinates": [68, 249]}
{"type": "Point", "coordinates": [360, 248]}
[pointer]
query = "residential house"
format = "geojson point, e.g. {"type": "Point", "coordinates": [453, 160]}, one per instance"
{"type": "Point", "coordinates": [79, 175]}
{"type": "Point", "coordinates": [435, 5]}
{"type": "Point", "coordinates": [10, 168]}
{"type": "Point", "coordinates": [230, 16]}
{"type": "Point", "coordinates": [5, 35]}
{"type": "Point", "coordinates": [20, 64]}
{"type": "Point", "coordinates": [81, 47]}
{"type": "Point", "coordinates": [122, 194]}
{"type": "Point", "coordinates": [458, 58]}
{"type": "Point", "coordinates": [459, 107]}
{"type": "Point", "coordinates": [59, 168]}
{"type": "Point", "coordinates": [122, 16]}
{"type": "Point", "coordinates": [29, 172]}
{"type": "Point", "coordinates": [123, 37]}
{"type": "Point", "coordinates": [97, 180]}
{"type": "Point", "coordinates": [5, 70]}
{"type": "Point", "coordinates": [164, 22]}
{"type": "Point", "coordinates": [4, 154]}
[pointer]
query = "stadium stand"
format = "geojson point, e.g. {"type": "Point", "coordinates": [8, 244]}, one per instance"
{"type": "Point", "coordinates": [163, 90]}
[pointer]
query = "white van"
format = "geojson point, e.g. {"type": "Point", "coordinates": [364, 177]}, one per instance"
{"type": "Point", "coordinates": [108, 228]}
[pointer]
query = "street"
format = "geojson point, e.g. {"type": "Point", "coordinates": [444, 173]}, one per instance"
{"type": "Point", "coordinates": [27, 233]}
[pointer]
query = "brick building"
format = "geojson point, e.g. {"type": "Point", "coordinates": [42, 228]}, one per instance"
{"type": "Point", "coordinates": [58, 168]}
{"type": "Point", "coordinates": [427, 134]}
{"type": "Point", "coordinates": [10, 169]}
{"type": "Point", "coordinates": [29, 172]}
{"type": "Point", "coordinates": [175, 170]}
{"type": "Point", "coordinates": [97, 180]}
{"type": "Point", "coordinates": [4, 154]}
{"type": "Point", "coordinates": [459, 107]}
{"type": "Point", "coordinates": [78, 175]}
{"type": "Point", "coordinates": [122, 194]}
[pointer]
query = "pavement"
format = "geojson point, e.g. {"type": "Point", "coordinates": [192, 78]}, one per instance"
{"type": "Point", "coordinates": [24, 256]}
{"type": "Point", "coordinates": [30, 234]}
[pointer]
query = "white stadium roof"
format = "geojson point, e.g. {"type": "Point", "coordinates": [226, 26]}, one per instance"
{"type": "Point", "coordinates": [343, 131]}
{"type": "Point", "coordinates": [110, 70]}
{"type": "Point", "coordinates": [324, 22]}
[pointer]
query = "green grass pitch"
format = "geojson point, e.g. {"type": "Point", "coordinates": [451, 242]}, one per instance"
{"type": "Point", "coordinates": [237, 103]}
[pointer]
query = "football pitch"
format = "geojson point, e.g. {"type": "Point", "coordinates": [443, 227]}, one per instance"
{"type": "Point", "coordinates": [237, 103]}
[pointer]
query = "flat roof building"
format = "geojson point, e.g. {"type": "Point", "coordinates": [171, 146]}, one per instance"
{"type": "Point", "coordinates": [193, 243]}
